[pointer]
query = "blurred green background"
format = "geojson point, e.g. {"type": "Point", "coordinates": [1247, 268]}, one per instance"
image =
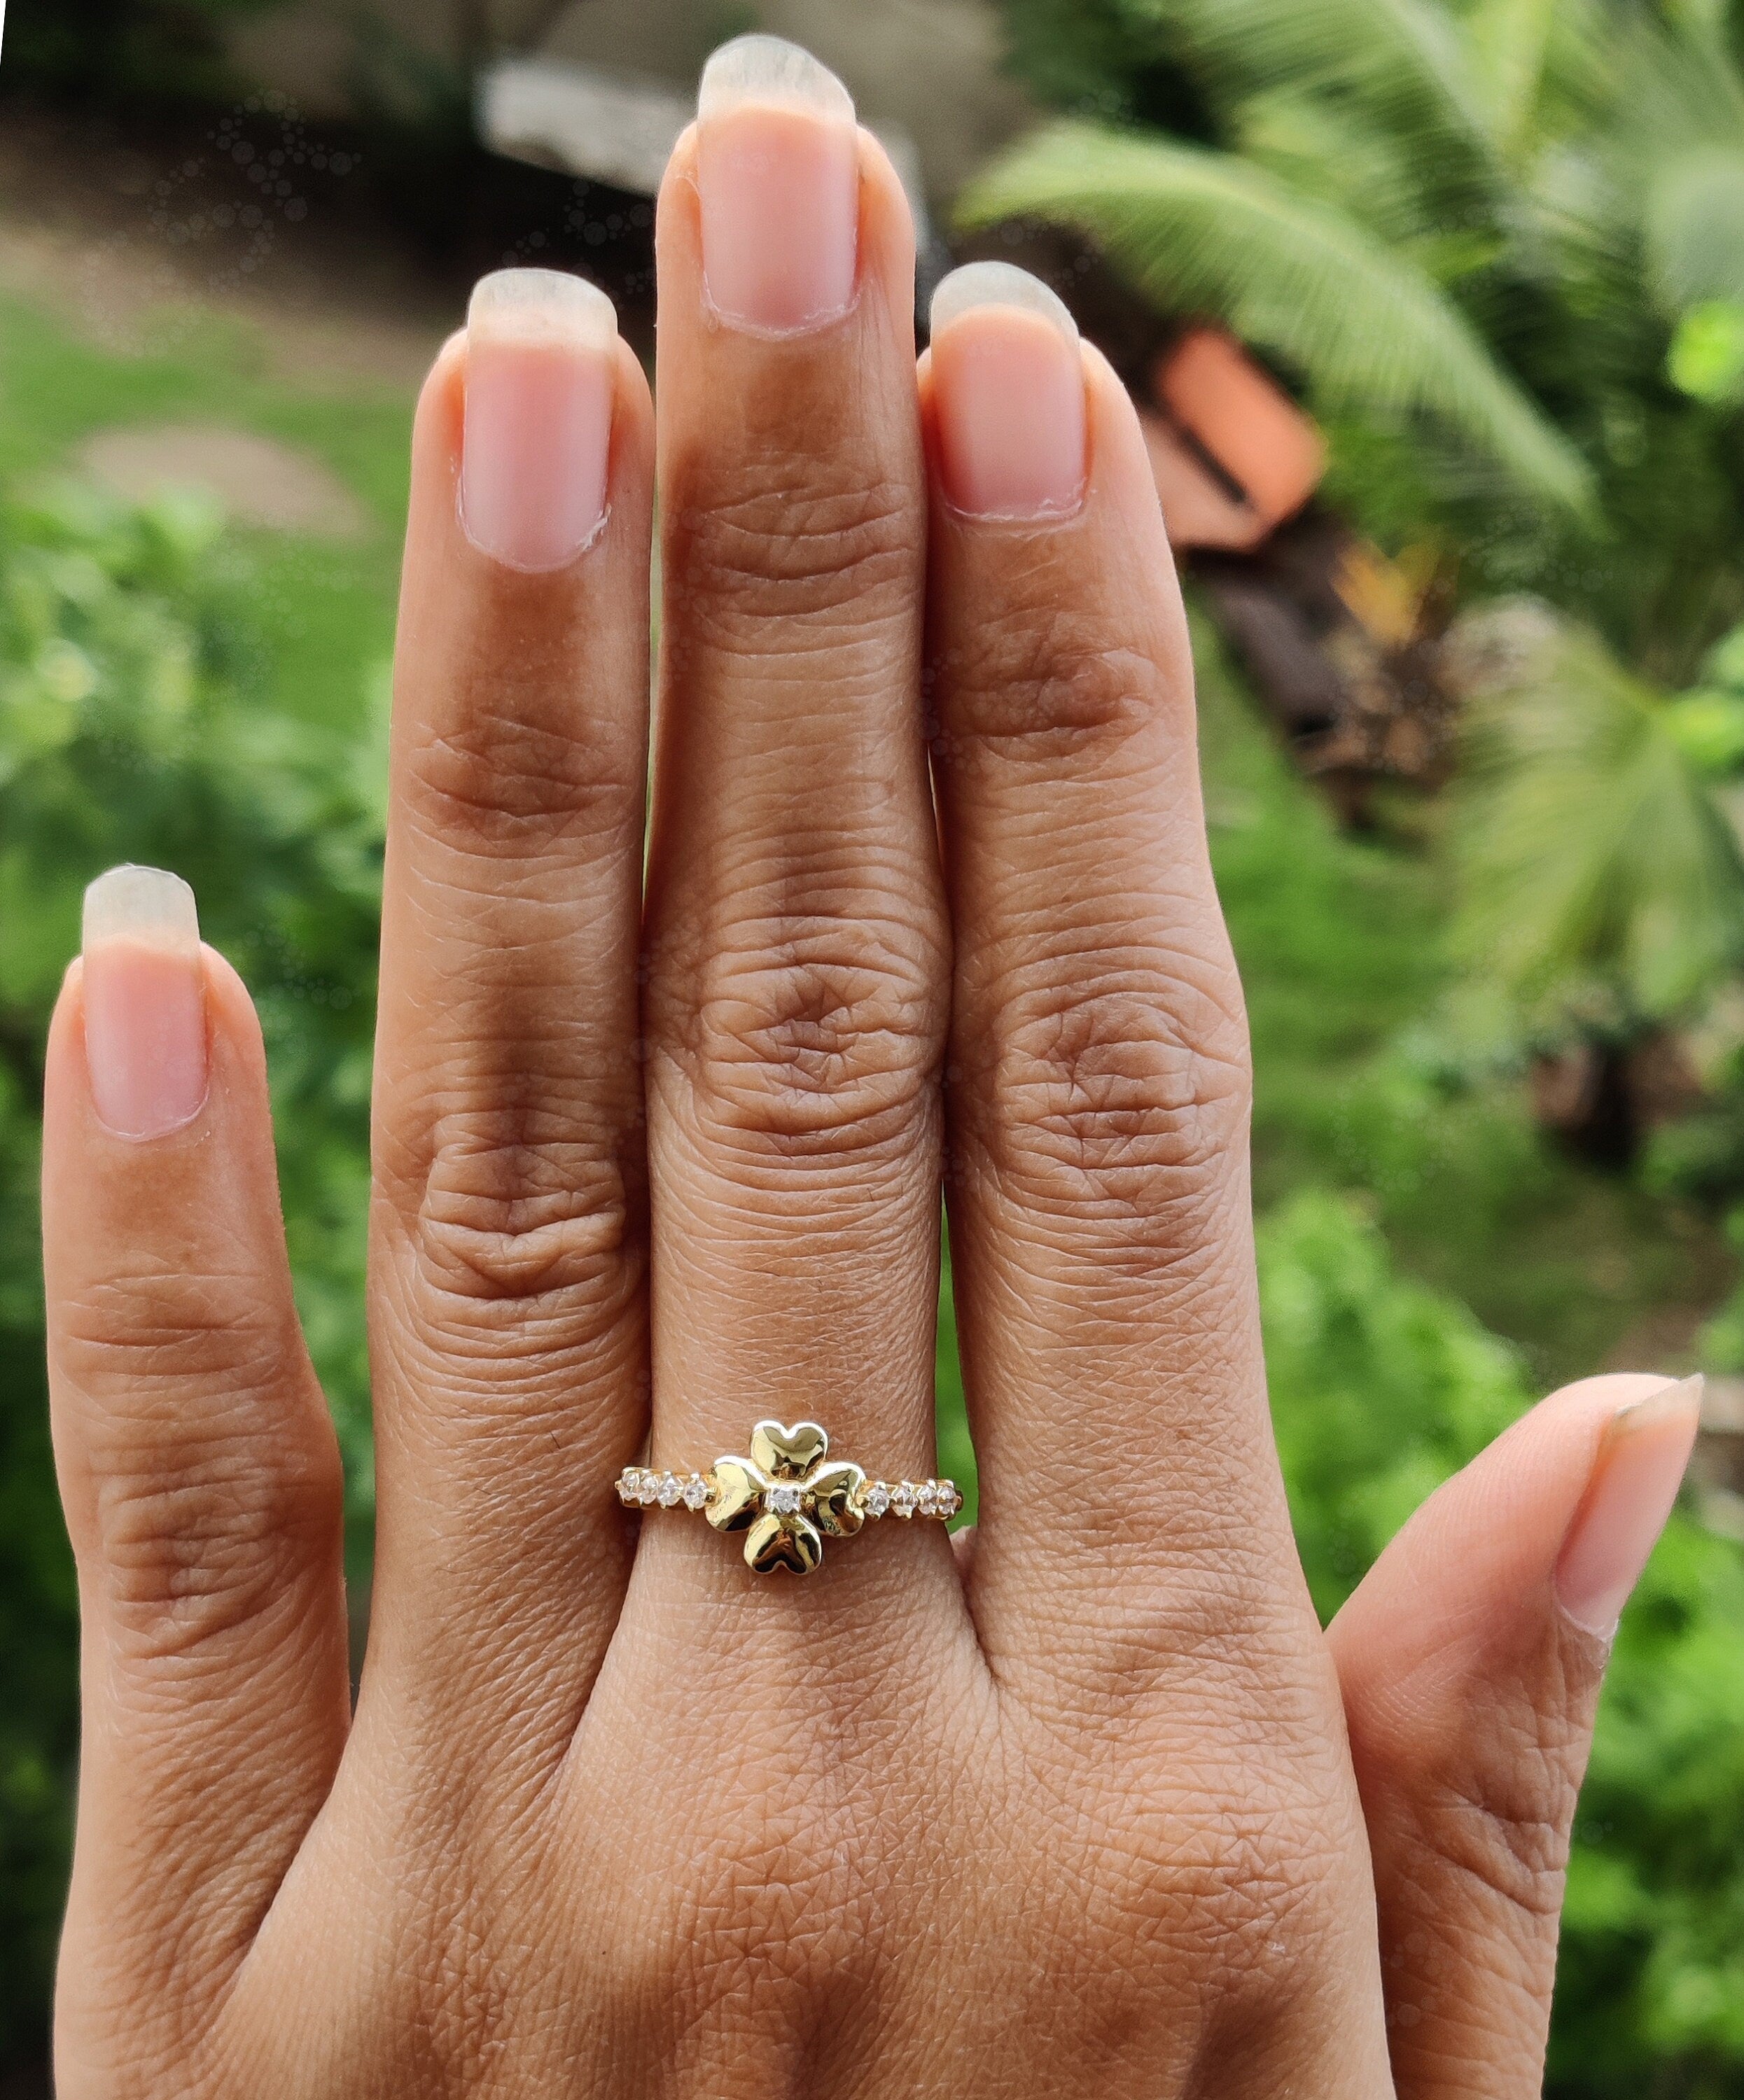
{"type": "Point", "coordinates": [1488, 900]}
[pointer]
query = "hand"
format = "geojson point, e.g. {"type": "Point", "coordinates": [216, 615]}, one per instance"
{"type": "Point", "coordinates": [1069, 1809]}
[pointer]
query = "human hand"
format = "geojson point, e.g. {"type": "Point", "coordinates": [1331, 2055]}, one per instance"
{"type": "Point", "coordinates": [1071, 1808]}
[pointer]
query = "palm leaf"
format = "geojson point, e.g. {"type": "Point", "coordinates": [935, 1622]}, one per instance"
{"type": "Point", "coordinates": [1594, 857]}
{"type": "Point", "coordinates": [1207, 232]}
{"type": "Point", "coordinates": [1403, 60]}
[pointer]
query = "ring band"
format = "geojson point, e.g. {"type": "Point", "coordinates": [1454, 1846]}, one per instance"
{"type": "Point", "coordinates": [788, 1496]}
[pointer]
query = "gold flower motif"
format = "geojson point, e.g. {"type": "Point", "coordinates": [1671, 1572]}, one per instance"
{"type": "Point", "coordinates": [786, 1497]}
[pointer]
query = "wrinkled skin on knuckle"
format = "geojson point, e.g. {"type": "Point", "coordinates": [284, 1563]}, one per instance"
{"type": "Point", "coordinates": [524, 774]}
{"type": "Point", "coordinates": [520, 1212]}
{"type": "Point", "coordinates": [766, 536]}
{"type": "Point", "coordinates": [825, 1040]}
{"type": "Point", "coordinates": [1114, 1093]}
{"type": "Point", "coordinates": [211, 1539]}
{"type": "Point", "coordinates": [1040, 683]}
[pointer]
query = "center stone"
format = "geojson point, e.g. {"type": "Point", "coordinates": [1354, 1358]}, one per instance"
{"type": "Point", "coordinates": [783, 1500]}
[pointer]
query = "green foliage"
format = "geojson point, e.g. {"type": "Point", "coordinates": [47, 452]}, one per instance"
{"type": "Point", "coordinates": [125, 735]}
{"type": "Point", "coordinates": [1601, 876]}
{"type": "Point", "coordinates": [1526, 206]}
{"type": "Point", "coordinates": [1381, 1389]}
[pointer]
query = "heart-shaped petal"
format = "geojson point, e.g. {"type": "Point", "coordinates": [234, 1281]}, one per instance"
{"type": "Point", "coordinates": [783, 1542]}
{"type": "Point", "coordinates": [834, 1491]}
{"type": "Point", "coordinates": [739, 1491]}
{"type": "Point", "coordinates": [788, 1454]}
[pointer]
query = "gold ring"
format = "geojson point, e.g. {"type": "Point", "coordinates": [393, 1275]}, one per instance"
{"type": "Point", "coordinates": [786, 1495]}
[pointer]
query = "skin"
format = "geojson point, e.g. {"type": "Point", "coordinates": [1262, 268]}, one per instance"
{"type": "Point", "coordinates": [1090, 1803]}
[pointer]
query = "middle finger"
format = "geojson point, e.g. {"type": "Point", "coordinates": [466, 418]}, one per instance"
{"type": "Point", "coordinates": [795, 944]}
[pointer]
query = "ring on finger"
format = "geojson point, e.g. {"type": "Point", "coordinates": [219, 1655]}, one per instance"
{"type": "Point", "coordinates": [788, 1496]}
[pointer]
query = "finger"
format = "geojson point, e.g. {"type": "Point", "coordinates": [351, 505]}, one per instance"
{"type": "Point", "coordinates": [1471, 1659]}
{"type": "Point", "coordinates": [508, 1329]}
{"type": "Point", "coordinates": [200, 1474]}
{"type": "Point", "coordinates": [1097, 1073]}
{"type": "Point", "coordinates": [796, 942]}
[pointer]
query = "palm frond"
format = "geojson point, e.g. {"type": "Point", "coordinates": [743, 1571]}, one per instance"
{"type": "Point", "coordinates": [1207, 232]}
{"type": "Point", "coordinates": [1403, 60]}
{"type": "Point", "coordinates": [1693, 226]}
{"type": "Point", "coordinates": [1593, 856]}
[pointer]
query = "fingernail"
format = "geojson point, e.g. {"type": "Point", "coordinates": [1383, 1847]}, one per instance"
{"type": "Point", "coordinates": [145, 1001]}
{"type": "Point", "coordinates": [541, 377]}
{"type": "Point", "coordinates": [1634, 1482]}
{"type": "Point", "coordinates": [1008, 391]}
{"type": "Point", "coordinates": [777, 169]}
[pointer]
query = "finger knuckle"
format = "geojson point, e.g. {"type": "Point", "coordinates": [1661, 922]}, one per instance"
{"type": "Point", "coordinates": [214, 1471]}
{"type": "Point", "coordinates": [828, 1039]}
{"type": "Point", "coordinates": [1043, 684]}
{"type": "Point", "coordinates": [524, 1226]}
{"type": "Point", "coordinates": [510, 781]}
{"type": "Point", "coordinates": [1504, 1830]}
{"type": "Point", "coordinates": [1112, 1095]}
{"type": "Point", "coordinates": [793, 538]}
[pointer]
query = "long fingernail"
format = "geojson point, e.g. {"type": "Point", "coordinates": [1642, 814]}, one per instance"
{"type": "Point", "coordinates": [145, 1001]}
{"type": "Point", "coordinates": [1634, 1482]}
{"type": "Point", "coordinates": [778, 168]}
{"type": "Point", "coordinates": [540, 378]}
{"type": "Point", "coordinates": [1008, 394]}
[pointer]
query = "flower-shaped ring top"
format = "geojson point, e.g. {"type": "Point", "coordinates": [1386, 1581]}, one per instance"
{"type": "Point", "coordinates": [786, 1496]}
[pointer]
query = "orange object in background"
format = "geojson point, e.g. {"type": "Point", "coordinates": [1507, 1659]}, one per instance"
{"type": "Point", "coordinates": [1233, 425]}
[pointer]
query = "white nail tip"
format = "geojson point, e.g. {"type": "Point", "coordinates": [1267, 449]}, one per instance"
{"type": "Point", "coordinates": [142, 904]}
{"type": "Point", "coordinates": [1682, 1395]}
{"type": "Point", "coordinates": [542, 305]}
{"type": "Point", "coordinates": [999, 284]}
{"type": "Point", "coordinates": [770, 72]}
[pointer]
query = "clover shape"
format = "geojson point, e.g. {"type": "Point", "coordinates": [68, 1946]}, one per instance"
{"type": "Point", "coordinates": [786, 1497]}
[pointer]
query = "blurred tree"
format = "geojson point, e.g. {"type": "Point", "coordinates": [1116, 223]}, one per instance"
{"type": "Point", "coordinates": [1380, 1388]}
{"type": "Point", "coordinates": [1501, 245]}
{"type": "Point", "coordinates": [161, 50]}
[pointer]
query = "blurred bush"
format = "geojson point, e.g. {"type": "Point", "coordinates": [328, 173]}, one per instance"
{"type": "Point", "coordinates": [129, 731]}
{"type": "Point", "coordinates": [1380, 1388]}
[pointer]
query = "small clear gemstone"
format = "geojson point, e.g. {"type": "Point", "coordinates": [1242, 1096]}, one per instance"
{"type": "Point", "coordinates": [627, 1484]}
{"type": "Point", "coordinates": [877, 1499]}
{"type": "Point", "coordinates": [696, 1491]}
{"type": "Point", "coordinates": [927, 1500]}
{"type": "Point", "coordinates": [950, 1501]}
{"type": "Point", "coordinates": [783, 1499]}
{"type": "Point", "coordinates": [669, 1491]}
{"type": "Point", "coordinates": [647, 1488]}
{"type": "Point", "coordinates": [904, 1497]}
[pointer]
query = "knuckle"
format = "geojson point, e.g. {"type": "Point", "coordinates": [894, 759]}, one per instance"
{"type": "Point", "coordinates": [829, 1040]}
{"type": "Point", "coordinates": [1505, 1830]}
{"type": "Point", "coordinates": [789, 536]}
{"type": "Point", "coordinates": [194, 1551]}
{"type": "Point", "coordinates": [1044, 683]}
{"type": "Point", "coordinates": [507, 785]}
{"type": "Point", "coordinates": [1115, 1095]}
{"type": "Point", "coordinates": [517, 1226]}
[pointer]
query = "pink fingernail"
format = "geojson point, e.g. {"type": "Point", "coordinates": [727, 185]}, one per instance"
{"type": "Point", "coordinates": [540, 378]}
{"type": "Point", "coordinates": [145, 1002]}
{"type": "Point", "coordinates": [778, 169]}
{"type": "Point", "coordinates": [1008, 391]}
{"type": "Point", "coordinates": [1634, 1482]}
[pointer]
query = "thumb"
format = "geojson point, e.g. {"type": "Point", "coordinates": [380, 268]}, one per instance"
{"type": "Point", "coordinates": [1471, 1659]}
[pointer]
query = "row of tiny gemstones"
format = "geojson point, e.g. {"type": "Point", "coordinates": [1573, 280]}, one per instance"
{"type": "Point", "coordinates": [640, 1488]}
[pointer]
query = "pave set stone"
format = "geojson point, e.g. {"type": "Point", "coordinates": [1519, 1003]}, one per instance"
{"type": "Point", "coordinates": [643, 1486]}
